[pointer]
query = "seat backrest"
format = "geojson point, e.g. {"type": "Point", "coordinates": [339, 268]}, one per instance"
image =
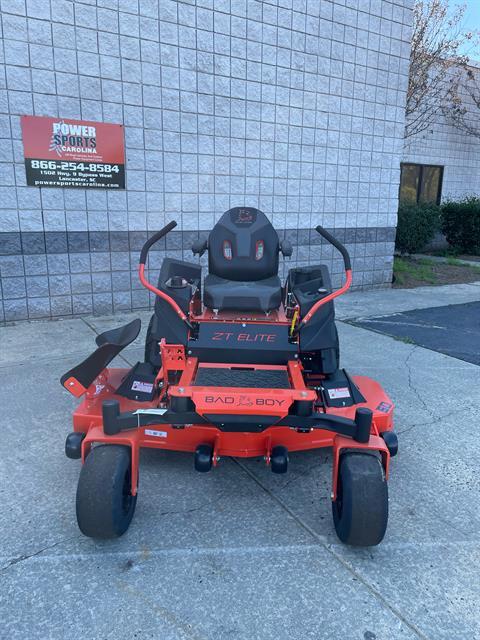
{"type": "Point", "coordinates": [243, 245]}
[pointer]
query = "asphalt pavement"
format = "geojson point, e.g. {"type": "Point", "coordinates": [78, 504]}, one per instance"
{"type": "Point", "coordinates": [453, 329]}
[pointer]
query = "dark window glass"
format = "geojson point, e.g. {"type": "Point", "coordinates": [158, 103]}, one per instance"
{"type": "Point", "coordinates": [409, 181]}
{"type": "Point", "coordinates": [420, 183]}
{"type": "Point", "coordinates": [430, 191]}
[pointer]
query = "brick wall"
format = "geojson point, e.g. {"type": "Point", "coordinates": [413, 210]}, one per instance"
{"type": "Point", "coordinates": [298, 111]}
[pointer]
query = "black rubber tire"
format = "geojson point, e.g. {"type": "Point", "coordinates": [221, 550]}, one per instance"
{"type": "Point", "coordinates": [203, 458]}
{"type": "Point", "coordinates": [279, 459]}
{"type": "Point", "coordinates": [360, 511]}
{"type": "Point", "coordinates": [105, 506]}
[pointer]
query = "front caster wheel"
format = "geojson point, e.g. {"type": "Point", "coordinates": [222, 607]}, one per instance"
{"type": "Point", "coordinates": [105, 506]}
{"type": "Point", "coordinates": [279, 459]}
{"type": "Point", "coordinates": [203, 458]}
{"type": "Point", "coordinates": [360, 511]}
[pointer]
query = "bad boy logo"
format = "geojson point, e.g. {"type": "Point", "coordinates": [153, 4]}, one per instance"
{"type": "Point", "coordinates": [243, 216]}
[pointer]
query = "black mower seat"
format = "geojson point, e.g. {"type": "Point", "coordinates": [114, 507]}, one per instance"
{"type": "Point", "coordinates": [233, 295]}
{"type": "Point", "coordinates": [243, 250]}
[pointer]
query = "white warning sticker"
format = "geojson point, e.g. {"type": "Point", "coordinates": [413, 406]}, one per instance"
{"type": "Point", "coordinates": [144, 387]}
{"type": "Point", "coordinates": [155, 434]}
{"type": "Point", "coordinates": [339, 392]}
{"type": "Point", "coordinates": [150, 412]}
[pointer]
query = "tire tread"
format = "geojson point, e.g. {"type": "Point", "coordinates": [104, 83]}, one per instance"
{"type": "Point", "coordinates": [100, 485]}
{"type": "Point", "coordinates": [364, 516]}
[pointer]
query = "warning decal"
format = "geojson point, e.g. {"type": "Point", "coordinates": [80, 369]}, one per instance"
{"type": "Point", "coordinates": [339, 392]}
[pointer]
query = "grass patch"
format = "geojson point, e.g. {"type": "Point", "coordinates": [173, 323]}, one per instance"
{"type": "Point", "coordinates": [454, 262]}
{"type": "Point", "coordinates": [426, 262]}
{"type": "Point", "coordinates": [449, 252]}
{"type": "Point", "coordinates": [406, 270]}
{"type": "Point", "coordinates": [417, 272]}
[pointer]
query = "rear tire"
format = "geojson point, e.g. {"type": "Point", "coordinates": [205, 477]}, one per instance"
{"type": "Point", "coordinates": [105, 506]}
{"type": "Point", "coordinates": [360, 511]}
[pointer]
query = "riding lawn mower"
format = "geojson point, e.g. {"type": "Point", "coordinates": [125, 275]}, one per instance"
{"type": "Point", "coordinates": [235, 365]}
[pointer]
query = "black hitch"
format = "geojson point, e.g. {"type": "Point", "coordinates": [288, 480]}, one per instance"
{"type": "Point", "coordinates": [363, 420]}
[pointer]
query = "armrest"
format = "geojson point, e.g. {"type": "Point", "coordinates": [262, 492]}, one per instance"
{"type": "Point", "coordinates": [199, 246]}
{"type": "Point", "coordinates": [286, 248]}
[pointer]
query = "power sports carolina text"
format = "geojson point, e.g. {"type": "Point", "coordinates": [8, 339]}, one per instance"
{"type": "Point", "coordinates": [73, 137]}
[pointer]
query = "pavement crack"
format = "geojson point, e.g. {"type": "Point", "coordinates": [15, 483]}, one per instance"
{"type": "Point", "coordinates": [27, 556]}
{"type": "Point", "coordinates": [449, 524]}
{"type": "Point", "coordinates": [413, 388]}
{"type": "Point", "coordinates": [185, 630]}
{"type": "Point", "coordinates": [210, 503]}
{"type": "Point", "coordinates": [329, 549]}
{"type": "Point", "coordinates": [435, 418]}
{"type": "Point", "coordinates": [300, 475]}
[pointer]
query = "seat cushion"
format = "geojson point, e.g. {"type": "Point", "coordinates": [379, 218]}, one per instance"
{"type": "Point", "coordinates": [233, 295]}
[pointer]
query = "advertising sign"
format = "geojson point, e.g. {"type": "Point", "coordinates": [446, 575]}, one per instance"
{"type": "Point", "coordinates": [60, 152]}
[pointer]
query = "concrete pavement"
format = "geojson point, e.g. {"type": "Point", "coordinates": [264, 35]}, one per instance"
{"type": "Point", "coordinates": [239, 552]}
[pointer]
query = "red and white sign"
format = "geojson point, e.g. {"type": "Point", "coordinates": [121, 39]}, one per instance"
{"type": "Point", "coordinates": [60, 152]}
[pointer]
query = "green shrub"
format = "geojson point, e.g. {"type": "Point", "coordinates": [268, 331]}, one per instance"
{"type": "Point", "coordinates": [416, 226]}
{"type": "Point", "coordinates": [460, 223]}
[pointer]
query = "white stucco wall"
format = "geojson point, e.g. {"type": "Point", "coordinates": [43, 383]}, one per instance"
{"type": "Point", "coordinates": [457, 151]}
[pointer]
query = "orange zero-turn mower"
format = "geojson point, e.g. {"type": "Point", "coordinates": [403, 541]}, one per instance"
{"type": "Point", "coordinates": [235, 365]}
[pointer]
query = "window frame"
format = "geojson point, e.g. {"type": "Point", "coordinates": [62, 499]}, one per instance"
{"type": "Point", "coordinates": [420, 180]}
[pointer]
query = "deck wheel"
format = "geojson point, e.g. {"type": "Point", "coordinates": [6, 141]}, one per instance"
{"type": "Point", "coordinates": [391, 440]}
{"type": "Point", "coordinates": [105, 505]}
{"type": "Point", "coordinates": [360, 511]}
{"type": "Point", "coordinates": [203, 458]}
{"type": "Point", "coordinates": [73, 445]}
{"type": "Point", "coordinates": [279, 459]}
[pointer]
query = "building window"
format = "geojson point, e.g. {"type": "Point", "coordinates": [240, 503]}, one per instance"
{"type": "Point", "coordinates": [420, 183]}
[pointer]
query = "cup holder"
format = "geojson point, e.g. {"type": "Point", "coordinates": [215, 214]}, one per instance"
{"type": "Point", "coordinates": [315, 293]}
{"type": "Point", "coordinates": [177, 282]}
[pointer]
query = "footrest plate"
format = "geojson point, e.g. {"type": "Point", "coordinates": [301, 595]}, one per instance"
{"type": "Point", "coordinates": [242, 377]}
